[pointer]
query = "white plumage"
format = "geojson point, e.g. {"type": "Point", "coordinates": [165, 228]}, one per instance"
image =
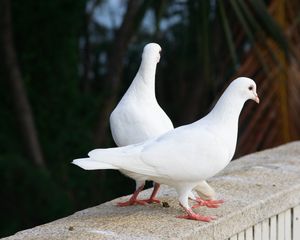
{"type": "Point", "coordinates": [187, 155]}
{"type": "Point", "coordinates": [138, 117]}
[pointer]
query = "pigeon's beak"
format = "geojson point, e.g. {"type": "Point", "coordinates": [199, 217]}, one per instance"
{"type": "Point", "coordinates": [256, 98]}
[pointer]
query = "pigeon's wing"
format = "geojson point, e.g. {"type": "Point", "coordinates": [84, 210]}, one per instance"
{"type": "Point", "coordinates": [185, 153]}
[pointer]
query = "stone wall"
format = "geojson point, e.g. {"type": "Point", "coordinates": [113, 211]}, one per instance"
{"type": "Point", "coordinates": [259, 190]}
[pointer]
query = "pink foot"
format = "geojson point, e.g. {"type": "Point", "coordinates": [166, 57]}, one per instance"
{"type": "Point", "coordinates": [208, 203]}
{"type": "Point", "coordinates": [151, 200]}
{"type": "Point", "coordinates": [131, 203]}
{"type": "Point", "coordinates": [198, 217]}
{"type": "Point", "coordinates": [194, 216]}
{"type": "Point", "coordinates": [133, 200]}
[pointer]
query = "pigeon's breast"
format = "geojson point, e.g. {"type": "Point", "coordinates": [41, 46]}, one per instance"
{"type": "Point", "coordinates": [132, 124]}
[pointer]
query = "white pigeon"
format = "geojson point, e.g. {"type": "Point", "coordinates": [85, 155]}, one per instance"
{"type": "Point", "coordinates": [187, 155]}
{"type": "Point", "coordinates": [138, 117]}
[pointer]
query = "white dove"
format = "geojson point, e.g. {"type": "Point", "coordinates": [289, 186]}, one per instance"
{"type": "Point", "coordinates": [138, 117]}
{"type": "Point", "coordinates": [187, 155]}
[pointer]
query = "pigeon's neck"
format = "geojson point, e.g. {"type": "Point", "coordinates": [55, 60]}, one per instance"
{"type": "Point", "coordinates": [147, 72]}
{"type": "Point", "coordinates": [228, 108]}
{"type": "Point", "coordinates": [144, 81]}
{"type": "Point", "coordinates": [224, 119]}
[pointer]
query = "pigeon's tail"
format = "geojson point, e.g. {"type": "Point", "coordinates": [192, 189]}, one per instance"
{"type": "Point", "coordinates": [205, 191]}
{"type": "Point", "coordinates": [121, 158]}
{"type": "Point", "coordinates": [89, 164]}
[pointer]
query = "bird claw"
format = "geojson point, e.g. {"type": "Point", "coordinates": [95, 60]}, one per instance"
{"type": "Point", "coordinates": [208, 203]}
{"type": "Point", "coordinates": [131, 203]}
{"type": "Point", "coordinates": [198, 217]}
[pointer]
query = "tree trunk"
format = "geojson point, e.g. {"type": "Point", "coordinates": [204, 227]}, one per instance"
{"type": "Point", "coordinates": [87, 58]}
{"type": "Point", "coordinates": [21, 103]}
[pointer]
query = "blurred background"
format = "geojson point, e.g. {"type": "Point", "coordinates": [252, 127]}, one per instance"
{"type": "Point", "coordinates": [65, 64]}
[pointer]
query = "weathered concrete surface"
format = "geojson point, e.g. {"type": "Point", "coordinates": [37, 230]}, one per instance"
{"type": "Point", "coordinates": [254, 187]}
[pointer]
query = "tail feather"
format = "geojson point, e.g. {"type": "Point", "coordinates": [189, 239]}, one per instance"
{"type": "Point", "coordinates": [89, 164]}
{"type": "Point", "coordinates": [205, 191]}
{"type": "Point", "coordinates": [121, 158]}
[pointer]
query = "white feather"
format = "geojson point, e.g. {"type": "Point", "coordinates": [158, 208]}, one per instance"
{"type": "Point", "coordinates": [89, 164]}
{"type": "Point", "coordinates": [190, 154]}
{"type": "Point", "coordinates": [138, 116]}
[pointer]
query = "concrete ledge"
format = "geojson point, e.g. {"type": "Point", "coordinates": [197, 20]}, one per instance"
{"type": "Point", "coordinates": [255, 187]}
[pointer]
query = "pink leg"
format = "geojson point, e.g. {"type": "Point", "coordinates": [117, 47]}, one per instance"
{"type": "Point", "coordinates": [208, 203]}
{"type": "Point", "coordinates": [152, 198]}
{"type": "Point", "coordinates": [133, 200]}
{"type": "Point", "coordinates": [194, 216]}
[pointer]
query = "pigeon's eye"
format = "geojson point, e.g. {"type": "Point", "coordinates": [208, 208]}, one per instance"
{"type": "Point", "coordinates": [250, 88]}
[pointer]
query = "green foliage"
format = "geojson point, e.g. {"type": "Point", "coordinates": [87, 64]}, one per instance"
{"type": "Point", "coordinates": [28, 195]}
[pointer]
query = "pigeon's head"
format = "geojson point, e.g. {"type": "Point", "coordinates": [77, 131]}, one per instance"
{"type": "Point", "coordinates": [152, 52]}
{"type": "Point", "coordinates": [246, 88]}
